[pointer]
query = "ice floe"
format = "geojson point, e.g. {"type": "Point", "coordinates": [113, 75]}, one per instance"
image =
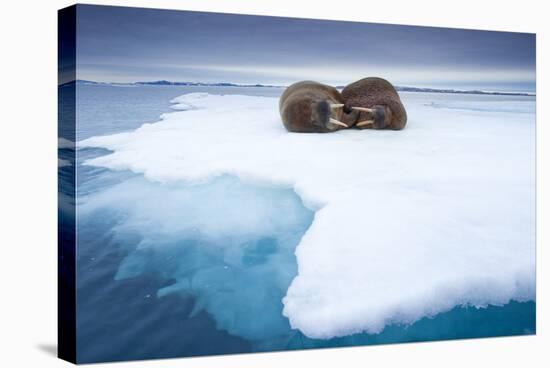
{"type": "Point", "coordinates": [408, 224]}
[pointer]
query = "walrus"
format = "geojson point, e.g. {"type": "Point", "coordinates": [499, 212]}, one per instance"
{"type": "Point", "coordinates": [312, 107]}
{"type": "Point", "coordinates": [377, 102]}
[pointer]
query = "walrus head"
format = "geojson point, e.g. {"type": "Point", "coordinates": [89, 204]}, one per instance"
{"type": "Point", "coordinates": [377, 117]}
{"type": "Point", "coordinates": [324, 114]}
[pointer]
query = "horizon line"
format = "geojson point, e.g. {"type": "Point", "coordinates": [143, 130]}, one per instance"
{"type": "Point", "coordinates": [400, 88]}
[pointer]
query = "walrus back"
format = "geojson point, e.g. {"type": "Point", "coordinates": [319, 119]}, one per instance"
{"type": "Point", "coordinates": [371, 91]}
{"type": "Point", "coordinates": [311, 89]}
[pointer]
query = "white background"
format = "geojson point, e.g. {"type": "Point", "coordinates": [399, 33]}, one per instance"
{"type": "Point", "coordinates": [28, 184]}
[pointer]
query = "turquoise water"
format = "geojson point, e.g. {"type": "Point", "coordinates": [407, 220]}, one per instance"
{"type": "Point", "coordinates": [169, 270]}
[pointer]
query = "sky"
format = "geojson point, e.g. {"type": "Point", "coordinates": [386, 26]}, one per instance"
{"type": "Point", "coordinates": [119, 44]}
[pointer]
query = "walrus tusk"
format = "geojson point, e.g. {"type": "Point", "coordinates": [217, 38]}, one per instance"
{"type": "Point", "coordinates": [337, 122]}
{"type": "Point", "coordinates": [335, 106]}
{"type": "Point", "coordinates": [362, 109]}
{"type": "Point", "coordinates": [366, 122]}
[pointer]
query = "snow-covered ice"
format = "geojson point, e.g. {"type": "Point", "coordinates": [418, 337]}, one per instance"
{"type": "Point", "coordinates": [408, 224]}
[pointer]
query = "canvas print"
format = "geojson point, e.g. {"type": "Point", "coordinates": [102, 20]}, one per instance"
{"type": "Point", "coordinates": [237, 184]}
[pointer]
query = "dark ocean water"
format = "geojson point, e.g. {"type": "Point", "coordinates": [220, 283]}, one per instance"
{"type": "Point", "coordinates": [170, 270]}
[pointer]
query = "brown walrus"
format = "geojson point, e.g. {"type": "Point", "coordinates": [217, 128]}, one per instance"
{"type": "Point", "coordinates": [377, 102]}
{"type": "Point", "coordinates": [312, 107]}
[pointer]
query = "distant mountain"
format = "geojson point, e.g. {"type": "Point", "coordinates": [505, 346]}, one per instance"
{"type": "Point", "coordinates": [469, 92]}
{"type": "Point", "coordinates": [82, 81]}
{"type": "Point", "coordinates": [218, 84]}
{"type": "Point", "coordinates": [227, 84]}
